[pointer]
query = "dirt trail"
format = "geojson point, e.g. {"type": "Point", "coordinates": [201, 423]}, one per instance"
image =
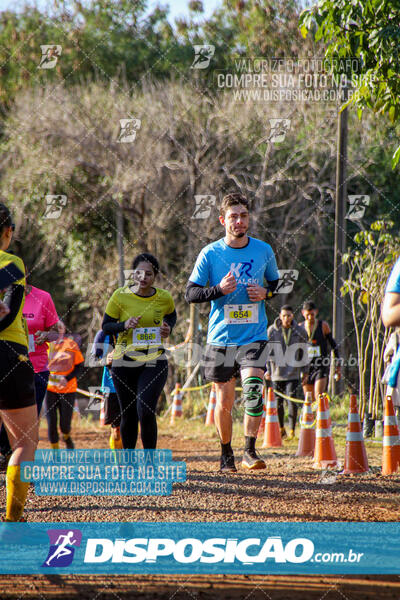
{"type": "Point", "coordinates": [288, 490]}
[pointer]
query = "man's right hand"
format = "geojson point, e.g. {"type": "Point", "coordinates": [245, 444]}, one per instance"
{"type": "Point", "coordinates": [228, 284]}
{"type": "Point", "coordinates": [132, 322]}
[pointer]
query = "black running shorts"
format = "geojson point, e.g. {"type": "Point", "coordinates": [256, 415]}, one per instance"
{"type": "Point", "coordinates": [17, 378]}
{"type": "Point", "coordinates": [221, 363]}
{"type": "Point", "coordinates": [317, 373]}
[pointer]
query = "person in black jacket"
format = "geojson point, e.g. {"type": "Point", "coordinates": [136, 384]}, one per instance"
{"type": "Point", "coordinates": [288, 359]}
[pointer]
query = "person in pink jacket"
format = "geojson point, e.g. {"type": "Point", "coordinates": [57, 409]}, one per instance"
{"type": "Point", "coordinates": [44, 326]}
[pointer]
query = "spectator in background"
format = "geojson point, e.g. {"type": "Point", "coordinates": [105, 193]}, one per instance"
{"type": "Point", "coordinates": [286, 364]}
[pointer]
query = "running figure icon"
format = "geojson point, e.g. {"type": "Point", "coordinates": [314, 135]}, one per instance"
{"type": "Point", "coordinates": [62, 547]}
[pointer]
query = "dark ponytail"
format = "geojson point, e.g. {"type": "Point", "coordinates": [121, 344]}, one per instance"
{"type": "Point", "coordinates": [5, 218]}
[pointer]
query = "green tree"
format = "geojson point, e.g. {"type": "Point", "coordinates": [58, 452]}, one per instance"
{"type": "Point", "coordinates": [368, 31]}
{"type": "Point", "coordinates": [369, 265]}
{"type": "Point", "coordinates": [102, 39]}
{"type": "Point", "coordinates": [250, 28]}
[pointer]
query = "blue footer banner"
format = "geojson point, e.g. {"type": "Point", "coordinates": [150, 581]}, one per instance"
{"type": "Point", "coordinates": [239, 548]}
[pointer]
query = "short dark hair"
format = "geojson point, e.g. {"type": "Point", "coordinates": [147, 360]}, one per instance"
{"type": "Point", "coordinates": [287, 307]}
{"type": "Point", "coordinates": [146, 256]}
{"type": "Point", "coordinates": [309, 306]}
{"type": "Point", "coordinates": [232, 199]}
{"type": "Point", "coordinates": [5, 218]}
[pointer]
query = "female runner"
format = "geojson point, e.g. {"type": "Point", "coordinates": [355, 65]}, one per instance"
{"type": "Point", "coordinates": [141, 315]}
{"type": "Point", "coordinates": [17, 385]}
{"type": "Point", "coordinates": [43, 325]}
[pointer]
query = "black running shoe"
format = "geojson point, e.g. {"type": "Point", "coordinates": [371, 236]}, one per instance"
{"type": "Point", "coordinates": [227, 464]}
{"type": "Point", "coordinates": [69, 444]}
{"type": "Point", "coordinates": [252, 460]}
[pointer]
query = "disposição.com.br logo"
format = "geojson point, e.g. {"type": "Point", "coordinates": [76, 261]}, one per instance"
{"type": "Point", "coordinates": [62, 547]}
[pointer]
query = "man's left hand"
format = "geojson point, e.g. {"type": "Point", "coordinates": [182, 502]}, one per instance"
{"type": "Point", "coordinates": [256, 292]}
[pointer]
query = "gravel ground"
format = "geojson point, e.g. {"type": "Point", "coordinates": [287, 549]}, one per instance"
{"type": "Point", "coordinates": [288, 490]}
{"type": "Point", "coordinates": [229, 587]}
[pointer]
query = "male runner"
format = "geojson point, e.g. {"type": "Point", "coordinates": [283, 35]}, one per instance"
{"type": "Point", "coordinates": [318, 334]}
{"type": "Point", "coordinates": [235, 268]}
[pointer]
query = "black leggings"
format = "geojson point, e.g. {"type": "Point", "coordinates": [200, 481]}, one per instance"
{"type": "Point", "coordinates": [288, 388]}
{"type": "Point", "coordinates": [138, 388]}
{"type": "Point", "coordinates": [64, 403]}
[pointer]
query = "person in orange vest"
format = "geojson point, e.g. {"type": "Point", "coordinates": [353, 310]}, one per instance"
{"type": "Point", "coordinates": [65, 366]}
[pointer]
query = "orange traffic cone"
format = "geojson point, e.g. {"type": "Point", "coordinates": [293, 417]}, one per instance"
{"type": "Point", "coordinates": [306, 445]}
{"type": "Point", "coordinates": [261, 428]}
{"type": "Point", "coordinates": [272, 437]}
{"type": "Point", "coordinates": [391, 448]}
{"type": "Point", "coordinates": [356, 457]}
{"type": "Point", "coordinates": [176, 403]}
{"type": "Point", "coordinates": [211, 406]}
{"type": "Point", "coordinates": [325, 453]}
